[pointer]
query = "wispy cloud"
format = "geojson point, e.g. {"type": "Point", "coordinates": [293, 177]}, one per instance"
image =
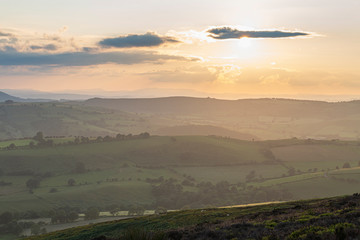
{"type": "Point", "coordinates": [233, 33]}
{"type": "Point", "coordinates": [5, 34]}
{"type": "Point", "coordinates": [14, 58]}
{"type": "Point", "coordinates": [49, 47]}
{"type": "Point", "coordinates": [133, 40]}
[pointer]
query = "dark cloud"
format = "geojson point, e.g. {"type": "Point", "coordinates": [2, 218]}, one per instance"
{"type": "Point", "coordinates": [133, 40]}
{"type": "Point", "coordinates": [89, 49]}
{"type": "Point", "coordinates": [49, 47]}
{"type": "Point", "coordinates": [13, 58]}
{"type": "Point", "coordinates": [3, 34]}
{"type": "Point", "coordinates": [230, 33]}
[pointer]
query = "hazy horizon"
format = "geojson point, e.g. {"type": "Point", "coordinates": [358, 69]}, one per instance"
{"type": "Point", "coordinates": [163, 93]}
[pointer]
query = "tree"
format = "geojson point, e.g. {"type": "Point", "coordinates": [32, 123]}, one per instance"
{"type": "Point", "coordinates": [6, 217]}
{"type": "Point", "coordinates": [250, 176]}
{"type": "Point", "coordinates": [107, 138]}
{"type": "Point", "coordinates": [71, 182]}
{"type": "Point", "coordinates": [291, 171]}
{"type": "Point", "coordinates": [346, 165]}
{"type": "Point", "coordinates": [77, 140]}
{"type": "Point", "coordinates": [160, 210]}
{"type": "Point", "coordinates": [11, 146]}
{"type": "Point", "coordinates": [72, 216]}
{"type": "Point", "coordinates": [92, 213]}
{"type": "Point", "coordinates": [39, 137]}
{"type": "Point", "coordinates": [31, 144]}
{"type": "Point", "coordinates": [33, 183]}
{"type": "Point", "coordinates": [120, 136]}
{"type": "Point", "coordinates": [144, 135]}
{"type": "Point", "coordinates": [136, 210]}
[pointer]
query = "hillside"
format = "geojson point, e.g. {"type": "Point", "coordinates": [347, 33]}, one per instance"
{"type": "Point", "coordinates": [174, 172]}
{"type": "Point", "coordinates": [19, 120]}
{"type": "Point", "coordinates": [265, 118]}
{"type": "Point", "coordinates": [333, 218]}
{"type": "Point", "coordinates": [243, 119]}
{"type": "Point", "coordinates": [4, 97]}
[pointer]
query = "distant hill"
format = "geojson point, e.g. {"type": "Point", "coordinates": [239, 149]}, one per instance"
{"type": "Point", "coordinates": [19, 120]}
{"type": "Point", "coordinates": [242, 107]}
{"type": "Point", "coordinates": [243, 119]}
{"type": "Point", "coordinates": [4, 97]}
{"type": "Point", "coordinates": [265, 118]}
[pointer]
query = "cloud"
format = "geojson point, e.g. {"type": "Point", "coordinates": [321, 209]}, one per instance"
{"type": "Point", "coordinates": [231, 33]}
{"type": "Point", "coordinates": [134, 40]}
{"type": "Point", "coordinates": [3, 34]}
{"type": "Point", "coordinates": [49, 47]}
{"type": "Point", "coordinates": [14, 58]}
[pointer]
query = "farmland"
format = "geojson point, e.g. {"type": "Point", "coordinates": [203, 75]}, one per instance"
{"type": "Point", "coordinates": [118, 172]}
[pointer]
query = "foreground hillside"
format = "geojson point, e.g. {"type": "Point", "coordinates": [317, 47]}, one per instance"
{"type": "Point", "coordinates": [333, 218]}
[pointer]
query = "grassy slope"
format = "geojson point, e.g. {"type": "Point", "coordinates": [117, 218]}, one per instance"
{"type": "Point", "coordinates": [326, 218]}
{"type": "Point", "coordinates": [62, 119]}
{"type": "Point", "coordinates": [204, 158]}
{"type": "Point", "coordinates": [156, 151]}
{"type": "Point", "coordinates": [106, 161]}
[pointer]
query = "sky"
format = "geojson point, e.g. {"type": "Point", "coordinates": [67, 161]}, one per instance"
{"type": "Point", "coordinates": [235, 48]}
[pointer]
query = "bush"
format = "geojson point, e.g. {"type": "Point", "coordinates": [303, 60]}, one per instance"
{"type": "Point", "coordinates": [346, 165]}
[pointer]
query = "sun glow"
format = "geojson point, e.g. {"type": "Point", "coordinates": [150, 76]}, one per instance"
{"type": "Point", "coordinates": [245, 43]}
{"type": "Point", "coordinates": [246, 48]}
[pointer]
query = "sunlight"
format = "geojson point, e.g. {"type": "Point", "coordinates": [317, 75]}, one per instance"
{"type": "Point", "coordinates": [245, 43]}
{"type": "Point", "coordinates": [246, 48]}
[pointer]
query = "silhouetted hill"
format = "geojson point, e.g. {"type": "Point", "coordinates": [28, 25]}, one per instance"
{"type": "Point", "coordinates": [265, 106]}
{"type": "Point", "coordinates": [4, 97]}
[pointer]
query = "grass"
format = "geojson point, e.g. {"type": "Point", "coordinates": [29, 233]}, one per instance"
{"type": "Point", "coordinates": [203, 158]}
{"type": "Point", "coordinates": [282, 220]}
{"type": "Point", "coordinates": [63, 119]}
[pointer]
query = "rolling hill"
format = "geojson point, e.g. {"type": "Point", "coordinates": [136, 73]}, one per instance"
{"type": "Point", "coordinates": [19, 120]}
{"type": "Point", "coordinates": [243, 119]}
{"type": "Point", "coordinates": [4, 97]}
{"type": "Point", "coordinates": [264, 118]}
{"type": "Point", "coordinates": [130, 171]}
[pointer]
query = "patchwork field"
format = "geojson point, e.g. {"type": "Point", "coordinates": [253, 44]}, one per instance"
{"type": "Point", "coordinates": [126, 172]}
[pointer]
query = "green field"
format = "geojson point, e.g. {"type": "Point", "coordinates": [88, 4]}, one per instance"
{"type": "Point", "coordinates": [117, 172]}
